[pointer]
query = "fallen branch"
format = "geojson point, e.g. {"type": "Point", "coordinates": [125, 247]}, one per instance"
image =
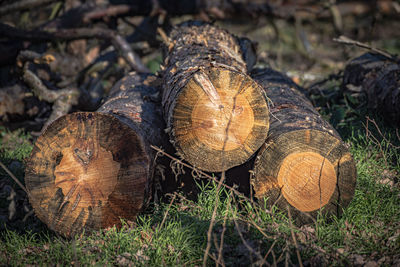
{"type": "Point", "coordinates": [62, 100]}
{"type": "Point", "coordinates": [78, 33]}
{"type": "Point", "coordinates": [23, 5]}
{"type": "Point", "coordinates": [347, 41]}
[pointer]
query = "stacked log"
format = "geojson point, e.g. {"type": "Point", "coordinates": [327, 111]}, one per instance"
{"type": "Point", "coordinates": [304, 164]}
{"type": "Point", "coordinates": [379, 77]}
{"type": "Point", "coordinates": [216, 115]}
{"type": "Point", "coordinates": [90, 169]}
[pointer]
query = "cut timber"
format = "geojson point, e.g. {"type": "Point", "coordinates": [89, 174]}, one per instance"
{"type": "Point", "coordinates": [379, 78]}
{"type": "Point", "coordinates": [89, 170]}
{"type": "Point", "coordinates": [304, 162]}
{"type": "Point", "coordinates": [216, 115]}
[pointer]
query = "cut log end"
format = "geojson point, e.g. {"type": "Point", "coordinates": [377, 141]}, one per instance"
{"type": "Point", "coordinates": [220, 119]}
{"type": "Point", "coordinates": [82, 175]}
{"type": "Point", "coordinates": [307, 180]}
{"type": "Point", "coordinates": [307, 169]}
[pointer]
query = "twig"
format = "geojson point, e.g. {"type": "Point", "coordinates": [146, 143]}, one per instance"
{"type": "Point", "coordinates": [382, 135]}
{"type": "Point", "coordinates": [203, 174]}
{"type": "Point", "coordinates": [164, 36]}
{"type": "Point", "coordinates": [79, 33]}
{"type": "Point", "coordinates": [270, 250]}
{"type": "Point", "coordinates": [23, 5]}
{"type": "Point", "coordinates": [106, 12]}
{"type": "Point", "coordinates": [221, 243]}
{"type": "Point", "coordinates": [249, 248]}
{"type": "Point", "coordinates": [14, 178]}
{"type": "Point", "coordinates": [294, 238]}
{"type": "Point", "coordinates": [347, 41]}
{"type": "Point", "coordinates": [167, 211]}
{"type": "Point", "coordinates": [212, 222]}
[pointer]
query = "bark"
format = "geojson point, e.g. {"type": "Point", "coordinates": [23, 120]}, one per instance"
{"type": "Point", "coordinates": [89, 170]}
{"type": "Point", "coordinates": [379, 78]}
{"type": "Point", "coordinates": [303, 164]}
{"type": "Point", "coordinates": [216, 115]}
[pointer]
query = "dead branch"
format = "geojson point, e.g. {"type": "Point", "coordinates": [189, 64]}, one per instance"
{"type": "Point", "coordinates": [62, 100]}
{"type": "Point", "coordinates": [79, 33]}
{"type": "Point", "coordinates": [106, 12]}
{"type": "Point", "coordinates": [347, 41]}
{"type": "Point", "coordinates": [23, 5]}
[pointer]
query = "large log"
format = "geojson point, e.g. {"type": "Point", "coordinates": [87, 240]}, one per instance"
{"type": "Point", "coordinates": [379, 78]}
{"type": "Point", "coordinates": [304, 164]}
{"type": "Point", "coordinates": [216, 115]}
{"type": "Point", "coordinates": [90, 169]}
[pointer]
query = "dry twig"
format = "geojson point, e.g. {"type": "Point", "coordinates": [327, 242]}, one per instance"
{"type": "Point", "coordinates": [294, 239]}
{"type": "Point", "coordinates": [347, 41]}
{"type": "Point", "coordinates": [201, 173]}
{"type": "Point", "coordinates": [80, 33]}
{"type": "Point", "coordinates": [212, 222]}
{"type": "Point", "coordinates": [13, 177]}
{"type": "Point", "coordinates": [23, 5]}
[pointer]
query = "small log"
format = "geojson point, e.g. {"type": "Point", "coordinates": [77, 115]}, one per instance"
{"type": "Point", "coordinates": [303, 164]}
{"type": "Point", "coordinates": [216, 115]}
{"type": "Point", "coordinates": [90, 169]}
{"type": "Point", "coordinates": [379, 77]}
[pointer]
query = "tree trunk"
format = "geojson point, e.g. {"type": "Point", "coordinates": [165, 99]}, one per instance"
{"type": "Point", "coordinates": [379, 78]}
{"type": "Point", "coordinates": [216, 115]}
{"type": "Point", "coordinates": [89, 169]}
{"type": "Point", "coordinates": [304, 164]}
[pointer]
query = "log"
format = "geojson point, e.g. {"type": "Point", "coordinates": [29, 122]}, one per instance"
{"type": "Point", "coordinates": [216, 115]}
{"type": "Point", "coordinates": [379, 77]}
{"type": "Point", "coordinates": [303, 164]}
{"type": "Point", "coordinates": [90, 169]}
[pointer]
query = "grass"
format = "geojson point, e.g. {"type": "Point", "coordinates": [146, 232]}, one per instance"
{"type": "Point", "coordinates": [369, 227]}
{"type": "Point", "coordinates": [174, 231]}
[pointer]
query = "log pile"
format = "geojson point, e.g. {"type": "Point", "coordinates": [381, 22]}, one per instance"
{"type": "Point", "coordinates": [89, 170]}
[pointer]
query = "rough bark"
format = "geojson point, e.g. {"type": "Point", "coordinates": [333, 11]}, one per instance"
{"type": "Point", "coordinates": [303, 164]}
{"type": "Point", "coordinates": [90, 169]}
{"type": "Point", "coordinates": [216, 115]}
{"type": "Point", "coordinates": [379, 78]}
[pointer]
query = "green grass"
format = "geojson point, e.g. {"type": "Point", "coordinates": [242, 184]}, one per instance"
{"type": "Point", "coordinates": [14, 145]}
{"type": "Point", "coordinates": [369, 226]}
